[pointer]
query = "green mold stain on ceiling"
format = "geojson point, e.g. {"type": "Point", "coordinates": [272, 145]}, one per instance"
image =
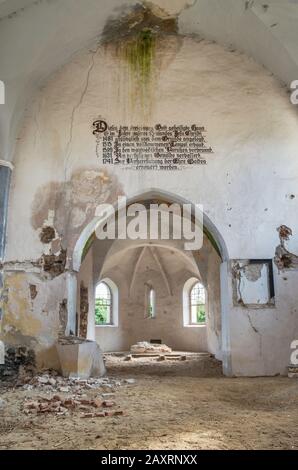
{"type": "Point", "coordinates": [137, 35]}
{"type": "Point", "coordinates": [140, 52]}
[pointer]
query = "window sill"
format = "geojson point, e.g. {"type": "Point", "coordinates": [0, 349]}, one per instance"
{"type": "Point", "coordinates": [106, 326]}
{"type": "Point", "coordinates": [199, 325]}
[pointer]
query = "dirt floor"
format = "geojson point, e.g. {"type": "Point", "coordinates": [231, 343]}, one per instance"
{"type": "Point", "coordinates": [171, 405]}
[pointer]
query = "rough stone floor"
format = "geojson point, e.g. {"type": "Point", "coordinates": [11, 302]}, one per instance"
{"type": "Point", "coordinates": [170, 405]}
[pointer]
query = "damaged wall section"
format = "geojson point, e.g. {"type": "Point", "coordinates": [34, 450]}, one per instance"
{"type": "Point", "coordinates": [253, 284]}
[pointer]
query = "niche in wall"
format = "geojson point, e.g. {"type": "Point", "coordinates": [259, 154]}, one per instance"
{"type": "Point", "coordinates": [253, 284]}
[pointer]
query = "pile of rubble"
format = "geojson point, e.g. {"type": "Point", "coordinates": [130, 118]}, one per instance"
{"type": "Point", "coordinates": [68, 395]}
{"type": "Point", "coordinates": [143, 347]}
{"type": "Point", "coordinates": [50, 381]}
{"type": "Point", "coordinates": [91, 408]}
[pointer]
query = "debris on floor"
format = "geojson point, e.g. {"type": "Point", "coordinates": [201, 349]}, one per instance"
{"type": "Point", "coordinates": [50, 381]}
{"type": "Point", "coordinates": [63, 406]}
{"type": "Point", "coordinates": [65, 396]}
{"type": "Point", "coordinates": [200, 364]}
{"type": "Point", "coordinates": [145, 347]}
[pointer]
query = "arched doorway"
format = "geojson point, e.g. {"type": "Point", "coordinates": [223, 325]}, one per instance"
{"type": "Point", "coordinates": [214, 243]}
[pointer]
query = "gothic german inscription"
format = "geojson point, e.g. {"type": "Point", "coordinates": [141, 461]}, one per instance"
{"type": "Point", "coordinates": [151, 148]}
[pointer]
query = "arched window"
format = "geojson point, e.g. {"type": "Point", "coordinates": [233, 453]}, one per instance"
{"type": "Point", "coordinates": [197, 304]}
{"type": "Point", "coordinates": [194, 303]}
{"type": "Point", "coordinates": [150, 302]}
{"type": "Point", "coordinates": [103, 304]}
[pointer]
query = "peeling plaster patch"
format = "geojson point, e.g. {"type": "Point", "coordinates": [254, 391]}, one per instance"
{"type": "Point", "coordinates": [54, 264]}
{"type": "Point", "coordinates": [37, 322]}
{"type": "Point", "coordinates": [48, 265]}
{"type": "Point", "coordinates": [284, 259]}
{"type": "Point", "coordinates": [139, 18]}
{"type": "Point", "coordinates": [19, 325]}
{"type": "Point", "coordinates": [73, 204]}
{"type": "Point", "coordinates": [22, 266]}
{"type": "Point", "coordinates": [47, 234]}
{"type": "Point", "coordinates": [33, 291]}
{"type": "Point", "coordinates": [284, 233]}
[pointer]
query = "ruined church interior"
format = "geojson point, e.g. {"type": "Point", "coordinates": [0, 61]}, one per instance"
{"type": "Point", "coordinates": [148, 225]}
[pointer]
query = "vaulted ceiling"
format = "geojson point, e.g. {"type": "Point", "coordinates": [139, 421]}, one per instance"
{"type": "Point", "coordinates": [39, 36]}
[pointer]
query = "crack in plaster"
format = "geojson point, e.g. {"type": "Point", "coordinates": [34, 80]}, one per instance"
{"type": "Point", "coordinates": [256, 331]}
{"type": "Point", "coordinates": [76, 107]}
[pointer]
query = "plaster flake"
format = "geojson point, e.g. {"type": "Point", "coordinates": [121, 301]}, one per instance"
{"type": "Point", "coordinates": [284, 259]}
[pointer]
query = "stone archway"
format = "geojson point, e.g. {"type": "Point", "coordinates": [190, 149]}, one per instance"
{"type": "Point", "coordinates": [210, 231]}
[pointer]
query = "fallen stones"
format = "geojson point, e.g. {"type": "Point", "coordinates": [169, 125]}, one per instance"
{"type": "Point", "coordinates": [43, 380]}
{"type": "Point", "coordinates": [61, 406]}
{"type": "Point", "coordinates": [49, 381]}
{"type": "Point", "coordinates": [108, 403]}
{"type": "Point", "coordinates": [144, 347]}
{"type": "Point", "coordinates": [70, 395]}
